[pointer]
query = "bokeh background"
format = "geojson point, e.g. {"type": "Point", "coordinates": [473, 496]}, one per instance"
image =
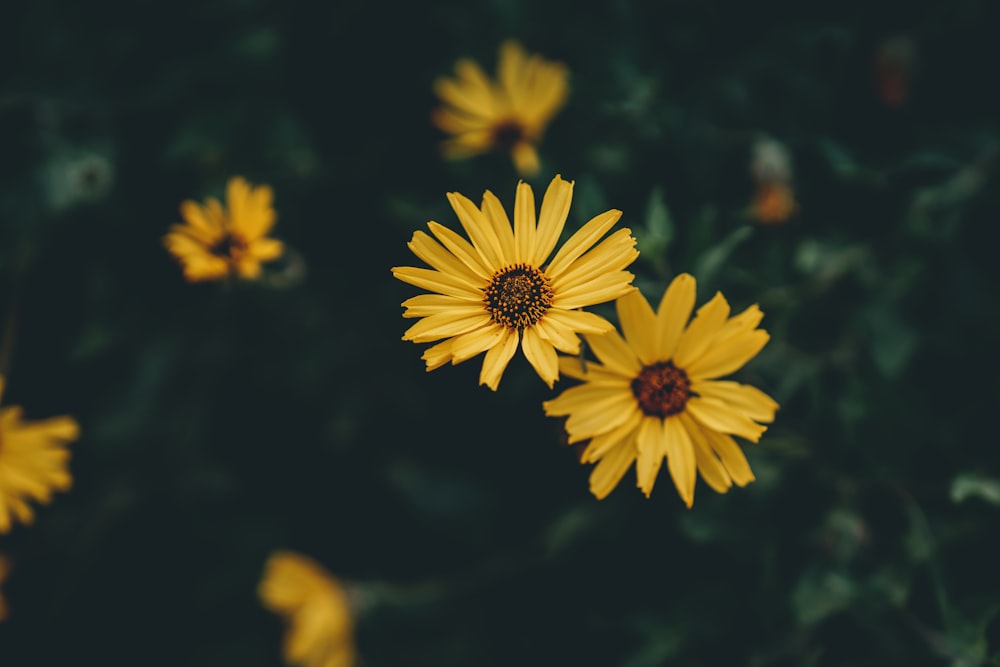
{"type": "Point", "coordinates": [222, 423]}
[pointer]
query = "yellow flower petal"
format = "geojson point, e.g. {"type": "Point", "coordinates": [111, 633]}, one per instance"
{"type": "Point", "coordinates": [581, 241]}
{"type": "Point", "coordinates": [541, 355]}
{"type": "Point", "coordinates": [496, 360]}
{"type": "Point", "coordinates": [720, 417]}
{"type": "Point", "coordinates": [552, 218]}
{"type": "Point", "coordinates": [638, 323]}
{"type": "Point", "coordinates": [706, 324]}
{"type": "Point", "coordinates": [652, 445]}
{"type": "Point", "coordinates": [672, 315]}
{"type": "Point", "coordinates": [524, 224]}
{"type": "Point", "coordinates": [680, 458]}
{"type": "Point", "coordinates": [479, 229]}
{"type": "Point", "coordinates": [748, 400]}
{"type": "Point", "coordinates": [611, 468]}
{"type": "Point", "coordinates": [724, 359]}
{"type": "Point", "coordinates": [615, 353]}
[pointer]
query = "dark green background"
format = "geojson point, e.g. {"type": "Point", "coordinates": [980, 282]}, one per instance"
{"type": "Point", "coordinates": [220, 424]}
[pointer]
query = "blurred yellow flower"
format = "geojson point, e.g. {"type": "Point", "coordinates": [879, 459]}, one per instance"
{"type": "Point", "coordinates": [33, 462]}
{"type": "Point", "coordinates": [774, 203]}
{"type": "Point", "coordinates": [319, 629]}
{"type": "Point", "coordinates": [655, 394]}
{"type": "Point", "coordinates": [493, 294]}
{"type": "Point", "coordinates": [4, 571]}
{"type": "Point", "coordinates": [215, 243]}
{"type": "Point", "coordinates": [509, 114]}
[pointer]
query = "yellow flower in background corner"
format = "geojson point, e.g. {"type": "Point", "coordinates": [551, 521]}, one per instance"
{"type": "Point", "coordinates": [509, 114]}
{"type": "Point", "coordinates": [33, 462]}
{"type": "Point", "coordinates": [655, 394]}
{"type": "Point", "coordinates": [319, 628]}
{"type": "Point", "coordinates": [497, 292]}
{"type": "Point", "coordinates": [773, 203]}
{"type": "Point", "coordinates": [215, 242]}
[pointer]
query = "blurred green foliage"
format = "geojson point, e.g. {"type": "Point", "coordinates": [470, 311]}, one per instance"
{"type": "Point", "coordinates": [222, 423]}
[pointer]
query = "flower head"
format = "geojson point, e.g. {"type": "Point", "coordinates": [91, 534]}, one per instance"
{"type": "Point", "coordinates": [319, 628]}
{"type": "Point", "coordinates": [33, 462]}
{"type": "Point", "coordinates": [500, 290]}
{"type": "Point", "coordinates": [509, 114]}
{"type": "Point", "coordinates": [655, 394]}
{"type": "Point", "coordinates": [216, 242]}
{"type": "Point", "coordinates": [773, 203]}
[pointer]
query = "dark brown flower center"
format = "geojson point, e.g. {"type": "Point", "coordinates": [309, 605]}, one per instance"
{"type": "Point", "coordinates": [518, 296]}
{"type": "Point", "coordinates": [508, 134]}
{"type": "Point", "coordinates": [230, 247]}
{"type": "Point", "coordinates": [662, 389]}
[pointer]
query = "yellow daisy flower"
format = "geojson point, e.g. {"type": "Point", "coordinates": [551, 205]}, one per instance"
{"type": "Point", "coordinates": [215, 243]}
{"type": "Point", "coordinates": [493, 294]}
{"type": "Point", "coordinates": [319, 628]}
{"type": "Point", "coordinates": [33, 462]}
{"type": "Point", "coordinates": [656, 394]}
{"type": "Point", "coordinates": [510, 114]}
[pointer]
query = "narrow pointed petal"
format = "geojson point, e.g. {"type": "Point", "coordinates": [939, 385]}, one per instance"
{"type": "Point", "coordinates": [479, 230]}
{"type": "Point", "coordinates": [496, 360]}
{"type": "Point", "coordinates": [731, 455]}
{"type": "Point", "coordinates": [501, 226]}
{"type": "Point", "coordinates": [718, 416]}
{"type": "Point", "coordinates": [581, 241]}
{"type": "Point", "coordinates": [602, 443]}
{"type": "Point", "coordinates": [524, 224]}
{"type": "Point", "coordinates": [468, 345]}
{"type": "Point", "coordinates": [579, 368]}
{"type": "Point", "coordinates": [673, 314]}
{"type": "Point", "coordinates": [709, 466]}
{"type": "Point", "coordinates": [607, 287]}
{"type": "Point", "coordinates": [435, 281]}
{"type": "Point", "coordinates": [680, 458]}
{"type": "Point", "coordinates": [525, 158]}
{"type": "Point", "coordinates": [425, 305]}
{"type": "Point", "coordinates": [615, 353]}
{"type": "Point", "coordinates": [610, 256]}
{"type": "Point", "coordinates": [610, 469]}
{"type": "Point", "coordinates": [552, 218]}
{"type": "Point", "coordinates": [461, 249]}
{"type": "Point", "coordinates": [638, 323]}
{"type": "Point", "coordinates": [579, 320]}
{"type": "Point", "coordinates": [747, 399]}
{"type": "Point", "coordinates": [563, 338]}
{"type": "Point", "coordinates": [541, 355]}
{"type": "Point", "coordinates": [447, 324]}
{"type": "Point", "coordinates": [652, 449]}
{"type": "Point", "coordinates": [437, 257]}
{"type": "Point", "coordinates": [729, 356]}
{"type": "Point", "coordinates": [706, 324]}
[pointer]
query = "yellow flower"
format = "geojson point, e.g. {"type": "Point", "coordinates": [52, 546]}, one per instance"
{"type": "Point", "coordinates": [510, 114]}
{"type": "Point", "coordinates": [33, 462]}
{"type": "Point", "coordinates": [774, 203]}
{"type": "Point", "coordinates": [656, 394]}
{"type": "Point", "coordinates": [319, 629]}
{"type": "Point", "coordinates": [493, 294]}
{"type": "Point", "coordinates": [4, 571]}
{"type": "Point", "coordinates": [216, 243]}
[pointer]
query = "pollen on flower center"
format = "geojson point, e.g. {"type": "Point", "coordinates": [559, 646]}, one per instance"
{"type": "Point", "coordinates": [662, 389]}
{"type": "Point", "coordinates": [508, 134]}
{"type": "Point", "coordinates": [518, 296]}
{"type": "Point", "coordinates": [230, 246]}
